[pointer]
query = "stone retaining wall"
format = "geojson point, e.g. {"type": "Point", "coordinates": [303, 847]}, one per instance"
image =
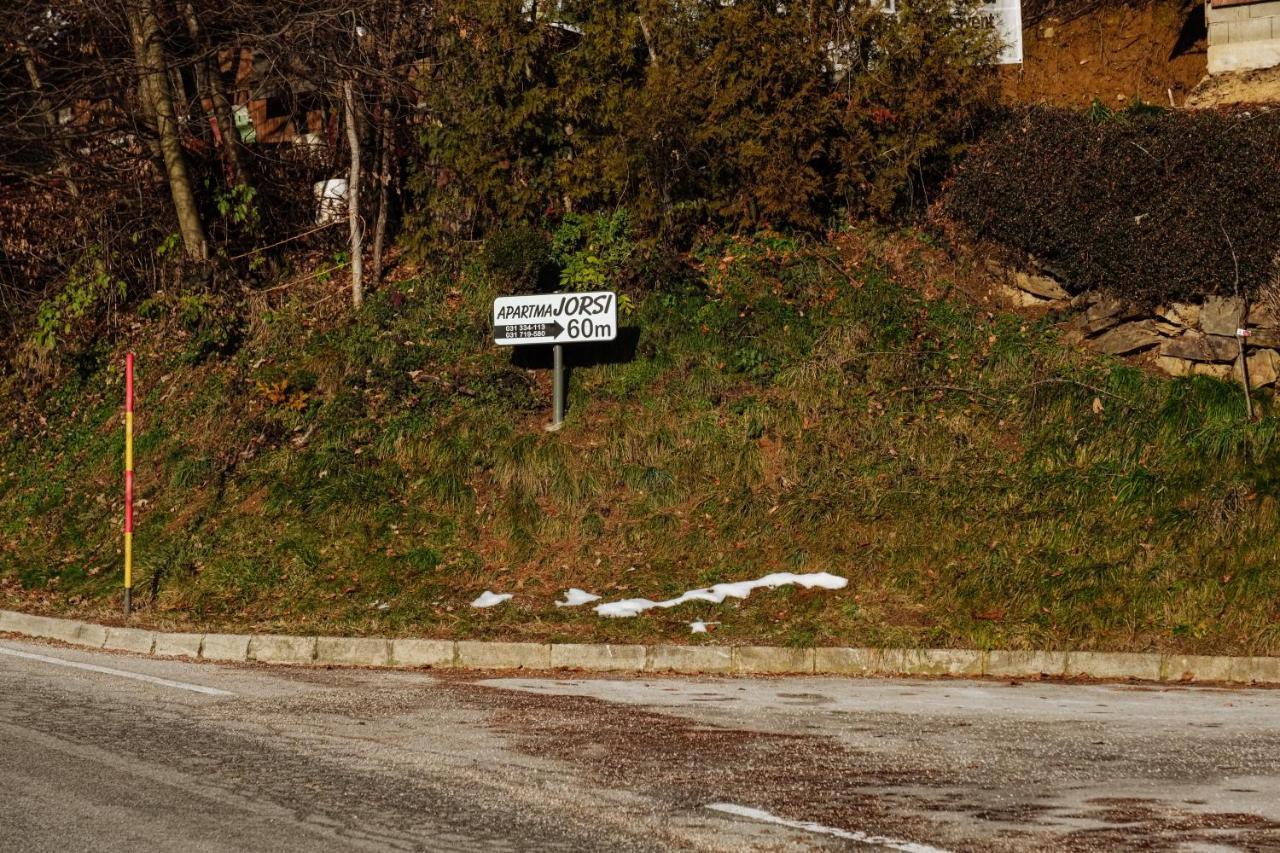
{"type": "Point", "coordinates": [1181, 339]}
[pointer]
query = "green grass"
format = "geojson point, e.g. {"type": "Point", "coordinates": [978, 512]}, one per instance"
{"type": "Point", "coordinates": [979, 483]}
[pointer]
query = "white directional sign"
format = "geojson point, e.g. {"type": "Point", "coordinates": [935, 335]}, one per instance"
{"type": "Point", "coordinates": [555, 318]}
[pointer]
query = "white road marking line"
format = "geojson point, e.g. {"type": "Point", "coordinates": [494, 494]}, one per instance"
{"type": "Point", "coordinates": [106, 670]}
{"type": "Point", "coordinates": [809, 826]}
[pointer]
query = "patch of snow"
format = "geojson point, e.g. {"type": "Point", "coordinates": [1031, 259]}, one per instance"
{"type": "Point", "coordinates": [576, 598]}
{"type": "Point", "coordinates": [718, 593]}
{"type": "Point", "coordinates": [697, 626]}
{"type": "Point", "coordinates": [491, 599]}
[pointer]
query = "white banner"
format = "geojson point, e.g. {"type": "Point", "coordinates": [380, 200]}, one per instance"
{"type": "Point", "coordinates": [1007, 15]}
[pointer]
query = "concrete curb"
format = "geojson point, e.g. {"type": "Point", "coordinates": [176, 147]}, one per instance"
{"type": "Point", "coordinates": [591, 657]}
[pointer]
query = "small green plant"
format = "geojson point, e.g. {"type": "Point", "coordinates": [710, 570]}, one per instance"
{"type": "Point", "coordinates": [169, 245]}
{"type": "Point", "coordinates": [1099, 111]}
{"type": "Point", "coordinates": [237, 205]}
{"type": "Point", "coordinates": [90, 284]}
{"type": "Point", "coordinates": [339, 259]}
{"type": "Point", "coordinates": [592, 250]}
{"type": "Point", "coordinates": [213, 326]}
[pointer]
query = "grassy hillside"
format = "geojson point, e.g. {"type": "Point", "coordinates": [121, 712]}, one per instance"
{"type": "Point", "coordinates": [790, 408]}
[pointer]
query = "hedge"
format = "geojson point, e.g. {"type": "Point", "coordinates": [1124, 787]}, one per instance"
{"type": "Point", "coordinates": [1147, 204]}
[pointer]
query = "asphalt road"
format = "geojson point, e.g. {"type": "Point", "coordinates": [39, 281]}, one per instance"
{"type": "Point", "coordinates": [204, 757]}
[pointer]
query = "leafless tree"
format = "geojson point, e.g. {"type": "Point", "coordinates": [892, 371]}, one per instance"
{"type": "Point", "coordinates": [157, 98]}
{"type": "Point", "coordinates": [353, 192]}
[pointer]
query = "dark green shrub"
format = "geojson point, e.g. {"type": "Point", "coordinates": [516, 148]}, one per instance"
{"type": "Point", "coordinates": [744, 115]}
{"type": "Point", "coordinates": [1148, 205]}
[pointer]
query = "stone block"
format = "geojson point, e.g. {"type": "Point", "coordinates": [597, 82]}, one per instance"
{"type": "Point", "coordinates": [597, 657]}
{"type": "Point", "coordinates": [1260, 10]}
{"type": "Point", "coordinates": [1263, 316]}
{"type": "Point", "coordinates": [93, 636]}
{"type": "Point", "coordinates": [1226, 58]}
{"type": "Point", "coordinates": [1217, 371]}
{"type": "Point", "coordinates": [1119, 665]}
{"type": "Point", "coordinates": [13, 622]}
{"type": "Point", "coordinates": [1264, 368]}
{"type": "Point", "coordinates": [229, 647]}
{"type": "Point", "coordinates": [1018, 298]}
{"type": "Point", "coordinates": [1219, 15]}
{"type": "Point", "coordinates": [65, 630]}
{"type": "Point", "coordinates": [43, 626]}
{"type": "Point", "coordinates": [271, 648]}
{"type": "Point", "coordinates": [1197, 346]}
{"type": "Point", "coordinates": [1103, 312]}
{"type": "Point", "coordinates": [1040, 285]}
{"type": "Point", "coordinates": [130, 640]}
{"type": "Point", "coordinates": [1258, 670]}
{"type": "Point", "coordinates": [931, 661]}
{"type": "Point", "coordinates": [1220, 315]}
{"type": "Point", "coordinates": [1126, 338]}
{"type": "Point", "coordinates": [1025, 664]}
{"type": "Point", "coordinates": [691, 659]}
{"type": "Point", "coordinates": [1249, 30]}
{"type": "Point", "coordinates": [481, 655]}
{"type": "Point", "coordinates": [1183, 314]}
{"type": "Point", "coordinates": [844, 661]}
{"type": "Point", "coordinates": [765, 660]}
{"type": "Point", "coordinates": [353, 651]}
{"type": "Point", "coordinates": [1175, 366]}
{"type": "Point", "coordinates": [178, 645]}
{"type": "Point", "coordinates": [1200, 668]}
{"type": "Point", "coordinates": [24, 623]}
{"type": "Point", "coordinates": [433, 653]}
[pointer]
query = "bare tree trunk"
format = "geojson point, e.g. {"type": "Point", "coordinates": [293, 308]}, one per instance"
{"type": "Point", "coordinates": [385, 145]}
{"type": "Point", "coordinates": [209, 83]}
{"type": "Point", "coordinates": [648, 41]}
{"type": "Point", "coordinates": [384, 201]}
{"type": "Point", "coordinates": [387, 130]}
{"type": "Point", "coordinates": [154, 83]}
{"type": "Point", "coordinates": [50, 120]}
{"type": "Point", "coordinates": [353, 194]}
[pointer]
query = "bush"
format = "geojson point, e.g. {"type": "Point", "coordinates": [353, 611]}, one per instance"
{"type": "Point", "coordinates": [519, 259]}
{"type": "Point", "coordinates": [744, 115]}
{"type": "Point", "coordinates": [1147, 204]}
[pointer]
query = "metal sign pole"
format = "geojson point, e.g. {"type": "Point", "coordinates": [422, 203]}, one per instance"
{"type": "Point", "coordinates": [557, 388]}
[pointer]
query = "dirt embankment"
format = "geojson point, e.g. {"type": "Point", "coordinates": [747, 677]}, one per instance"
{"type": "Point", "coordinates": [1113, 52]}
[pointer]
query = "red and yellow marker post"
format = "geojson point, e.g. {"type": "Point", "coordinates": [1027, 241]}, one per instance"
{"type": "Point", "coordinates": [128, 483]}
